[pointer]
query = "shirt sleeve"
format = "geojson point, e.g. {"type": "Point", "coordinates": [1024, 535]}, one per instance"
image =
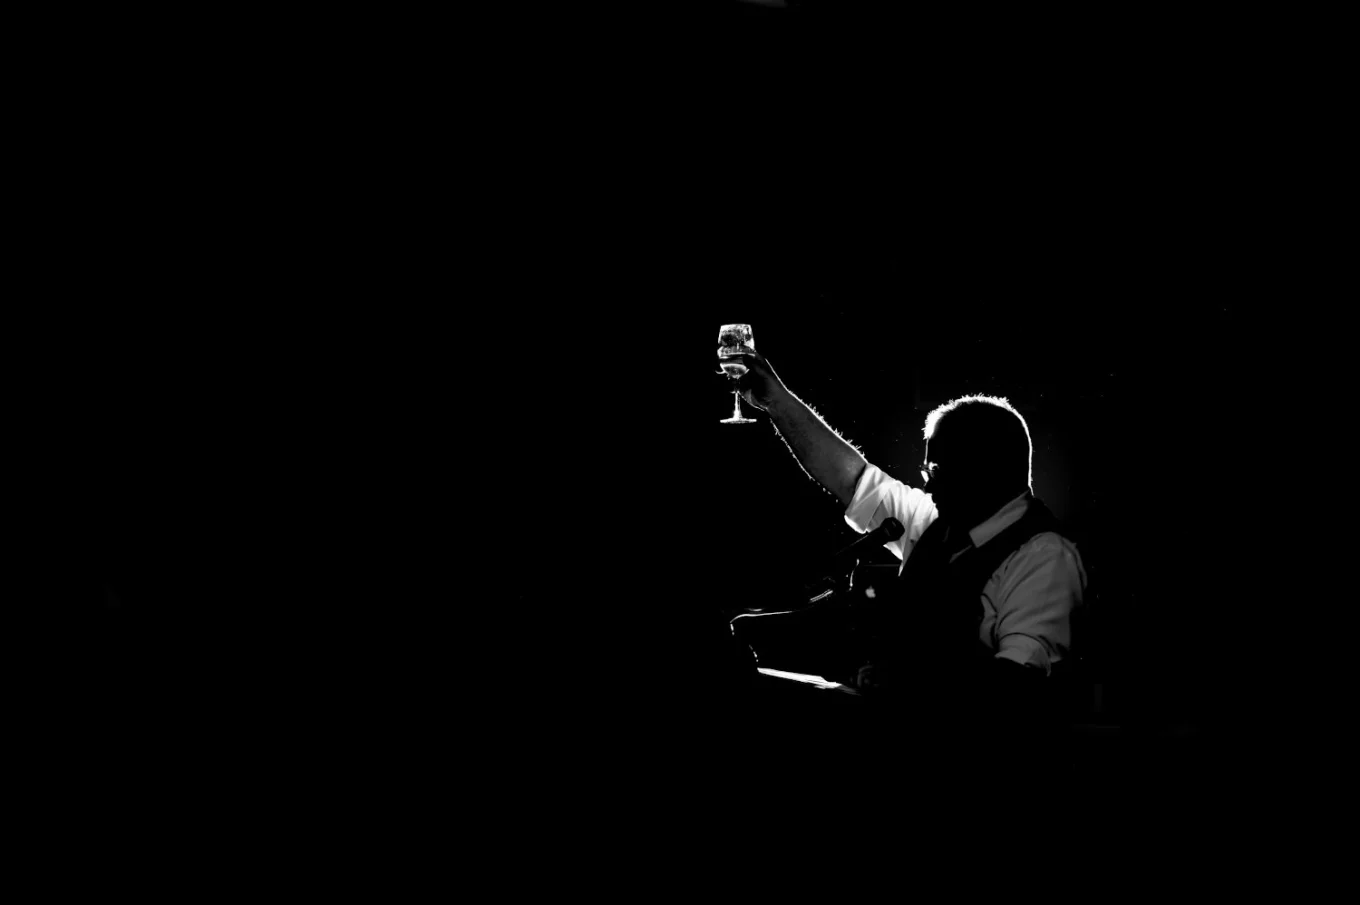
{"type": "Point", "coordinates": [1040, 588]}
{"type": "Point", "coordinates": [878, 497]}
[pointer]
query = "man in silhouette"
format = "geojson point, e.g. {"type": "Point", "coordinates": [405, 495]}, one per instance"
{"type": "Point", "coordinates": [980, 619]}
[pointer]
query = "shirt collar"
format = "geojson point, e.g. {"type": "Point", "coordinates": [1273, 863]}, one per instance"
{"type": "Point", "coordinates": [1006, 516]}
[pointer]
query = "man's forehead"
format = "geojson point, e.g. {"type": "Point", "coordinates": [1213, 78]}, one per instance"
{"type": "Point", "coordinates": [934, 448]}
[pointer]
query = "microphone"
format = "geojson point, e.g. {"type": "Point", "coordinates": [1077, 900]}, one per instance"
{"type": "Point", "coordinates": [886, 533]}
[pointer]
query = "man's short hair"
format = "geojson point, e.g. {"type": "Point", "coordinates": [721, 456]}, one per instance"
{"type": "Point", "coordinates": [990, 433]}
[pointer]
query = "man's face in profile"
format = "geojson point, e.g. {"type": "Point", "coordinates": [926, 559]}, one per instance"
{"type": "Point", "coordinates": [949, 477]}
{"type": "Point", "coordinates": [933, 476]}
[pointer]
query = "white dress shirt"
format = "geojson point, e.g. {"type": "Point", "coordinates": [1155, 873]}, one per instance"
{"type": "Point", "coordinates": [1027, 603]}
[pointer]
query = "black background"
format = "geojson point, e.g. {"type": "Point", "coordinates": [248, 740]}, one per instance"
{"type": "Point", "coordinates": [381, 415]}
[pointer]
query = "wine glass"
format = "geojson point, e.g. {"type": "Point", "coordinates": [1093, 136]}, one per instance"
{"type": "Point", "coordinates": [733, 339]}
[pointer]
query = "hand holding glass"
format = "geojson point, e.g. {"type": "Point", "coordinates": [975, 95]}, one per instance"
{"type": "Point", "coordinates": [733, 339]}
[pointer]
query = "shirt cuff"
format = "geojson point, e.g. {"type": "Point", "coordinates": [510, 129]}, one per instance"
{"type": "Point", "coordinates": [1026, 651]}
{"type": "Point", "coordinates": [862, 514]}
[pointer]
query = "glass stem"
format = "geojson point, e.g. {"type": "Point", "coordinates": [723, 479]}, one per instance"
{"type": "Point", "coordinates": [736, 404]}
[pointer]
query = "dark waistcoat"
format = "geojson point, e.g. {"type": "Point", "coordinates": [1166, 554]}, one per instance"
{"type": "Point", "coordinates": [925, 631]}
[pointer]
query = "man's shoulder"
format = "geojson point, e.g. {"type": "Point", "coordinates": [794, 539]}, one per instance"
{"type": "Point", "coordinates": [1049, 550]}
{"type": "Point", "coordinates": [1050, 544]}
{"type": "Point", "coordinates": [1044, 548]}
{"type": "Point", "coordinates": [1051, 538]}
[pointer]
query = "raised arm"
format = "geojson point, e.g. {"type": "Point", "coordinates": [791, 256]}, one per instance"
{"type": "Point", "coordinates": [827, 458]}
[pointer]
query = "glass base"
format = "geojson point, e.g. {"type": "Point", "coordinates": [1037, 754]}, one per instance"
{"type": "Point", "coordinates": [738, 421]}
